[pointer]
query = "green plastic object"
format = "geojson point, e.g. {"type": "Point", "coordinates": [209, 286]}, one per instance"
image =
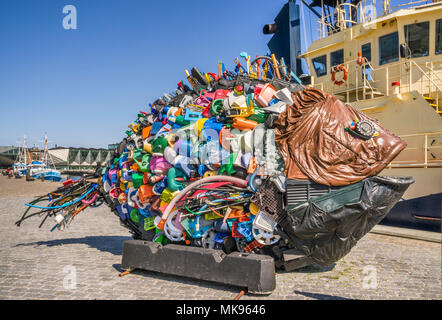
{"type": "Point", "coordinates": [172, 184]}
{"type": "Point", "coordinates": [149, 223]}
{"type": "Point", "coordinates": [228, 167]}
{"type": "Point", "coordinates": [159, 145]}
{"type": "Point", "coordinates": [144, 164]}
{"type": "Point", "coordinates": [180, 120]}
{"type": "Point", "coordinates": [160, 237]}
{"type": "Point", "coordinates": [216, 107]}
{"type": "Point", "coordinates": [137, 179]}
{"type": "Point", "coordinates": [138, 153]}
{"type": "Point", "coordinates": [134, 215]}
{"type": "Point", "coordinates": [259, 116]}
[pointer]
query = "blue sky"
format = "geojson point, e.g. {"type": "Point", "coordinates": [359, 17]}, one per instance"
{"type": "Point", "coordinates": [83, 87]}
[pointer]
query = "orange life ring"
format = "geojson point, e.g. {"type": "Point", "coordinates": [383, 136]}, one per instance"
{"type": "Point", "coordinates": [337, 69]}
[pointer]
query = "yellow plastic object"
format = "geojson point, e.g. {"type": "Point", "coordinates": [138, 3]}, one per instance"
{"type": "Point", "coordinates": [167, 195]}
{"type": "Point", "coordinates": [211, 216]}
{"type": "Point", "coordinates": [209, 174]}
{"type": "Point", "coordinates": [122, 187]}
{"type": "Point", "coordinates": [119, 174]}
{"type": "Point", "coordinates": [134, 127]}
{"type": "Point", "coordinates": [241, 104]}
{"type": "Point", "coordinates": [198, 126]}
{"type": "Point", "coordinates": [147, 147]}
{"type": "Point", "coordinates": [171, 139]}
{"type": "Point", "coordinates": [253, 208]}
{"type": "Point", "coordinates": [208, 78]}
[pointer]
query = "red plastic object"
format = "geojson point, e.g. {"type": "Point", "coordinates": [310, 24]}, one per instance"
{"type": "Point", "coordinates": [206, 112]}
{"type": "Point", "coordinates": [235, 232]}
{"type": "Point", "coordinates": [67, 182]}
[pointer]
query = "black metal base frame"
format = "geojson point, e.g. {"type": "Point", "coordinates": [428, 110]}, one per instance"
{"type": "Point", "coordinates": [255, 272]}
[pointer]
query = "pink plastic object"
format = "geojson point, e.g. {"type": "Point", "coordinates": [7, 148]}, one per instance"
{"type": "Point", "coordinates": [265, 95]}
{"type": "Point", "coordinates": [159, 165]}
{"type": "Point", "coordinates": [90, 201]}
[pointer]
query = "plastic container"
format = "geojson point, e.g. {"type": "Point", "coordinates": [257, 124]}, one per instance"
{"type": "Point", "coordinates": [265, 95]}
{"type": "Point", "coordinates": [244, 124]}
{"type": "Point", "coordinates": [137, 179]}
{"type": "Point", "coordinates": [145, 192]}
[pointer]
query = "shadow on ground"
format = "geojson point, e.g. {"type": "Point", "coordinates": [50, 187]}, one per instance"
{"type": "Point", "coordinates": [187, 281]}
{"type": "Point", "coordinates": [313, 268]}
{"type": "Point", "coordinates": [320, 296]}
{"type": "Point", "coordinates": [111, 244]}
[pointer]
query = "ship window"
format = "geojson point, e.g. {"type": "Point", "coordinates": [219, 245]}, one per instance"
{"type": "Point", "coordinates": [337, 58]}
{"type": "Point", "coordinates": [439, 36]}
{"type": "Point", "coordinates": [320, 65]}
{"type": "Point", "coordinates": [417, 38]}
{"type": "Point", "coordinates": [366, 51]}
{"type": "Point", "coordinates": [388, 48]}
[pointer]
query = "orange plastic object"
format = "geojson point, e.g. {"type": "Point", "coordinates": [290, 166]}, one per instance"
{"type": "Point", "coordinates": [122, 198]}
{"type": "Point", "coordinates": [244, 124]}
{"type": "Point", "coordinates": [224, 138]}
{"type": "Point", "coordinates": [161, 224]}
{"type": "Point", "coordinates": [145, 192]}
{"type": "Point", "coordinates": [237, 213]}
{"type": "Point", "coordinates": [146, 178]}
{"type": "Point", "coordinates": [135, 167]}
{"type": "Point", "coordinates": [146, 132]}
{"type": "Point", "coordinates": [252, 165]}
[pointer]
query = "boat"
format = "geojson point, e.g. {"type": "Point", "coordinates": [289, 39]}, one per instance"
{"type": "Point", "coordinates": [37, 169]}
{"type": "Point", "coordinates": [387, 62]}
{"type": "Point", "coordinates": [42, 168]}
{"type": "Point", "coordinates": [19, 167]}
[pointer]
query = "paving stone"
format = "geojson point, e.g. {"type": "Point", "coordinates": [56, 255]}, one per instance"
{"type": "Point", "coordinates": [36, 264]}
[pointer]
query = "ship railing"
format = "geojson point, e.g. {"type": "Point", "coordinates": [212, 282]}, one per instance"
{"type": "Point", "coordinates": [346, 15]}
{"type": "Point", "coordinates": [434, 90]}
{"type": "Point", "coordinates": [363, 77]}
{"type": "Point", "coordinates": [425, 147]}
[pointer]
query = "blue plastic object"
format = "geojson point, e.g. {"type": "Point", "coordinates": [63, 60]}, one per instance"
{"type": "Point", "coordinates": [66, 204]}
{"type": "Point", "coordinates": [211, 129]}
{"type": "Point", "coordinates": [245, 228]}
{"type": "Point", "coordinates": [219, 237]}
{"type": "Point", "coordinates": [192, 115]}
{"type": "Point", "coordinates": [156, 126]}
{"type": "Point", "coordinates": [123, 211]}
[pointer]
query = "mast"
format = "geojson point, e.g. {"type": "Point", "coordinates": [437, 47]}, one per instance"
{"type": "Point", "coordinates": [25, 150]}
{"type": "Point", "coordinates": [45, 154]}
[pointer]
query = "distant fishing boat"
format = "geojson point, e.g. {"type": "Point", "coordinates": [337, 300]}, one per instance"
{"type": "Point", "coordinates": [19, 168]}
{"type": "Point", "coordinates": [37, 169]}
